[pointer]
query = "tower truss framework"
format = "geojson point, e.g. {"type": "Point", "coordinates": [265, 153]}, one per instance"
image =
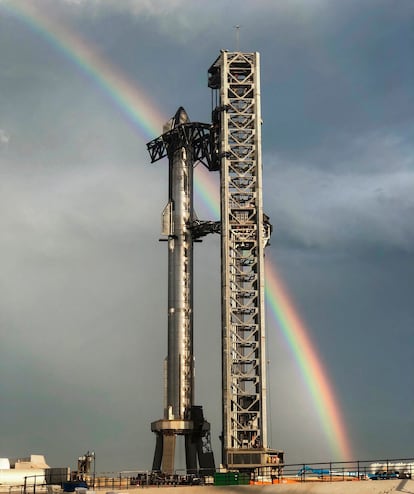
{"type": "Point", "coordinates": [245, 231]}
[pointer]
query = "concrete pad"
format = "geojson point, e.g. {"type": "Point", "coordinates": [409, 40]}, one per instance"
{"type": "Point", "coordinates": [402, 486]}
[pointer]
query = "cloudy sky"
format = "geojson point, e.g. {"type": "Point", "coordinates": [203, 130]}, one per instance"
{"type": "Point", "coordinates": [83, 276]}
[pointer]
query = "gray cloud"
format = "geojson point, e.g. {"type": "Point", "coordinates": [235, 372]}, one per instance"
{"type": "Point", "coordinates": [363, 202]}
{"type": "Point", "coordinates": [83, 276]}
{"type": "Point", "coordinates": [155, 7]}
{"type": "Point", "coordinates": [4, 137]}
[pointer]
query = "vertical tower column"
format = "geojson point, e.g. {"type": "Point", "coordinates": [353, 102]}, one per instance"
{"type": "Point", "coordinates": [235, 78]}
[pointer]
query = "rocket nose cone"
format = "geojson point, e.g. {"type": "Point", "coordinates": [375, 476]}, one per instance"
{"type": "Point", "coordinates": [181, 116]}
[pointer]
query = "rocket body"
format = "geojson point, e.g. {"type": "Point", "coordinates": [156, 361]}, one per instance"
{"type": "Point", "coordinates": [180, 359]}
{"type": "Point", "coordinates": [183, 142]}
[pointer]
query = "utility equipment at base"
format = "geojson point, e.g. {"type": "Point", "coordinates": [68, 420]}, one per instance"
{"type": "Point", "coordinates": [245, 231]}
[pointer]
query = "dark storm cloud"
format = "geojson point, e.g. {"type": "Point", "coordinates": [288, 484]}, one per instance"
{"type": "Point", "coordinates": [348, 72]}
{"type": "Point", "coordinates": [362, 202]}
{"type": "Point", "coordinates": [358, 313]}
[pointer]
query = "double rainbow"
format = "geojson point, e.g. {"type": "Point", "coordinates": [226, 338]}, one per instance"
{"type": "Point", "coordinates": [141, 112]}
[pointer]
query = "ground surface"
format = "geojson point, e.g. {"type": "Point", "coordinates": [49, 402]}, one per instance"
{"type": "Point", "coordinates": [363, 487]}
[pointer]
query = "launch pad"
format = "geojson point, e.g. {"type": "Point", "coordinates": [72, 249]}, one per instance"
{"type": "Point", "coordinates": [231, 144]}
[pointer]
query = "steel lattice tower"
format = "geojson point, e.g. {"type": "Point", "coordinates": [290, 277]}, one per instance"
{"type": "Point", "coordinates": [245, 231]}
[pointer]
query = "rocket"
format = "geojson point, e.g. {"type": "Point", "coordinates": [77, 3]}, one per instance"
{"type": "Point", "coordinates": [184, 143]}
{"type": "Point", "coordinates": [176, 221]}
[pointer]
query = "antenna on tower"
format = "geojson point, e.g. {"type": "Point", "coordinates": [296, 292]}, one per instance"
{"type": "Point", "coordinates": [237, 28]}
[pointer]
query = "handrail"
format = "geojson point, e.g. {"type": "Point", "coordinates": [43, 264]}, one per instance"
{"type": "Point", "coordinates": [358, 470]}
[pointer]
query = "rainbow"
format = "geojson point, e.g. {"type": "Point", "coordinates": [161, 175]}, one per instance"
{"type": "Point", "coordinates": [207, 191]}
{"type": "Point", "coordinates": [137, 108]}
{"type": "Point", "coordinates": [125, 95]}
{"type": "Point", "coordinates": [297, 335]}
{"type": "Point", "coordinates": [310, 364]}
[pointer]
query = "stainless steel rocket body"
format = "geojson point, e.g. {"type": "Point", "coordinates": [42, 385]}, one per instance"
{"type": "Point", "coordinates": [180, 359]}
{"type": "Point", "coordinates": [184, 143]}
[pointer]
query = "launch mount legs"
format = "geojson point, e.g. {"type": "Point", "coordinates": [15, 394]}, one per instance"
{"type": "Point", "coordinates": [198, 453]}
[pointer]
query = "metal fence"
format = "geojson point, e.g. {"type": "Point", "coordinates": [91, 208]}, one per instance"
{"type": "Point", "coordinates": [361, 470]}
{"type": "Point", "coordinates": [381, 469]}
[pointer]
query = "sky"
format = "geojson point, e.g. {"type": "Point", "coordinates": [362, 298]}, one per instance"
{"type": "Point", "coordinates": [83, 279]}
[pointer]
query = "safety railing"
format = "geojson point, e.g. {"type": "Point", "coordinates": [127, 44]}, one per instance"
{"type": "Point", "coordinates": [401, 468]}
{"type": "Point", "coordinates": [360, 470]}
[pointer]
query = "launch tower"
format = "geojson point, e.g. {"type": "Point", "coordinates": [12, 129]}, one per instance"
{"type": "Point", "coordinates": [245, 231]}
